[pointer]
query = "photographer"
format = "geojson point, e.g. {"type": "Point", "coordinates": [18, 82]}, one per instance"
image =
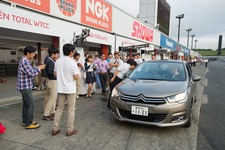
{"type": "Point", "coordinates": [80, 68]}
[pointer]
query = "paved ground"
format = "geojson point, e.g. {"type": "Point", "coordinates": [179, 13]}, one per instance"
{"type": "Point", "coordinates": [9, 95]}
{"type": "Point", "coordinates": [8, 89]}
{"type": "Point", "coordinates": [211, 132]}
{"type": "Point", "coordinates": [97, 129]}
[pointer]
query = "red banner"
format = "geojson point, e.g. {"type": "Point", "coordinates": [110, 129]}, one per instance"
{"type": "Point", "coordinates": [41, 5]}
{"type": "Point", "coordinates": [96, 13]}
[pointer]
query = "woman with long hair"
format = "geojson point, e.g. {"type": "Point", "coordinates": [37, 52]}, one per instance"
{"type": "Point", "coordinates": [90, 68]}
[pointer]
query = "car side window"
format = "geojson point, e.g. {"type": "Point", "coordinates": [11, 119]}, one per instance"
{"type": "Point", "coordinates": [189, 68]}
{"type": "Point", "coordinates": [189, 72]}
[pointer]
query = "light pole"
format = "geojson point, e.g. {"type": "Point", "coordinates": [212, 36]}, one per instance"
{"type": "Point", "coordinates": [188, 30]}
{"type": "Point", "coordinates": [179, 17]}
{"type": "Point", "coordinates": [195, 43]}
{"type": "Point", "coordinates": [192, 40]}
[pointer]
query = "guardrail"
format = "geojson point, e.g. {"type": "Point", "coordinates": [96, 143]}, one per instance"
{"type": "Point", "coordinates": [8, 70]}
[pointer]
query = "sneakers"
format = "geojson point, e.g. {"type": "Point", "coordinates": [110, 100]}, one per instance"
{"type": "Point", "coordinates": [78, 97]}
{"type": "Point", "coordinates": [33, 126]}
{"type": "Point", "coordinates": [47, 118]}
{"type": "Point", "coordinates": [33, 123]}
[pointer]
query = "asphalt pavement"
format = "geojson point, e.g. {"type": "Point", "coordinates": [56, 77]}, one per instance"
{"type": "Point", "coordinates": [97, 129]}
{"type": "Point", "coordinates": [212, 118]}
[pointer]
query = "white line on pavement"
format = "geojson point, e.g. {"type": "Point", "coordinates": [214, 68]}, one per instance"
{"type": "Point", "coordinates": [206, 82]}
{"type": "Point", "coordinates": [19, 102]}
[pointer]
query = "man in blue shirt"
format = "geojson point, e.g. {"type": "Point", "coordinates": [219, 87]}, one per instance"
{"type": "Point", "coordinates": [52, 83]}
{"type": "Point", "coordinates": [25, 79]}
{"type": "Point", "coordinates": [109, 57]}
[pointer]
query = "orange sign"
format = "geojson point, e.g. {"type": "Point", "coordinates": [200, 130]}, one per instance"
{"type": "Point", "coordinates": [96, 13]}
{"type": "Point", "coordinates": [67, 7]}
{"type": "Point", "coordinates": [41, 5]}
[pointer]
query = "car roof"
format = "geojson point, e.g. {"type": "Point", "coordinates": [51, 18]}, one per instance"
{"type": "Point", "coordinates": [165, 60]}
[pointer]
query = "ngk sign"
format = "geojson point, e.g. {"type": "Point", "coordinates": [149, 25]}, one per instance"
{"type": "Point", "coordinates": [96, 13]}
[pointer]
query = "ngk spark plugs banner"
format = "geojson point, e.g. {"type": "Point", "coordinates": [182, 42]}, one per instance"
{"type": "Point", "coordinates": [66, 9]}
{"type": "Point", "coordinates": [41, 5]}
{"type": "Point", "coordinates": [96, 13]}
{"type": "Point", "coordinates": [126, 25]}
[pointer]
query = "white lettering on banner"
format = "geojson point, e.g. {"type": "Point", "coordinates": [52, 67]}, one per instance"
{"type": "Point", "coordinates": [23, 20]}
{"type": "Point", "coordinates": [99, 37]}
{"type": "Point", "coordinates": [38, 2]}
{"type": "Point", "coordinates": [168, 43]}
{"type": "Point", "coordinates": [96, 8]}
{"type": "Point", "coordinates": [128, 43]}
{"type": "Point", "coordinates": [182, 49]}
{"type": "Point", "coordinates": [98, 22]}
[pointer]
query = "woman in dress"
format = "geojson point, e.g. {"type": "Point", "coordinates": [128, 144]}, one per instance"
{"type": "Point", "coordinates": [90, 68]}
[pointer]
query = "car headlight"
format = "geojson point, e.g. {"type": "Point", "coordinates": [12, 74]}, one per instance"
{"type": "Point", "coordinates": [179, 98]}
{"type": "Point", "coordinates": [115, 93]}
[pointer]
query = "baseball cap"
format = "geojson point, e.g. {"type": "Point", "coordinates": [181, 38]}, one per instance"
{"type": "Point", "coordinates": [116, 53]}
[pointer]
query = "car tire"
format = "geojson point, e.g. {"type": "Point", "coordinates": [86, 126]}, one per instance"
{"type": "Point", "coordinates": [188, 124]}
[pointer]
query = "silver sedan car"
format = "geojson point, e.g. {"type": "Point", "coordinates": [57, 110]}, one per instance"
{"type": "Point", "coordinates": [159, 93]}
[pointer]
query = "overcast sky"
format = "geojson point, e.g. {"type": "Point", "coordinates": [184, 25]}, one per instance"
{"type": "Point", "coordinates": [205, 17]}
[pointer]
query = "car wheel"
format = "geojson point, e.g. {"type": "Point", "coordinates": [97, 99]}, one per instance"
{"type": "Point", "coordinates": [190, 118]}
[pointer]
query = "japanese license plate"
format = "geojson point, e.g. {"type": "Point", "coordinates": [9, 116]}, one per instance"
{"type": "Point", "coordinates": [137, 110]}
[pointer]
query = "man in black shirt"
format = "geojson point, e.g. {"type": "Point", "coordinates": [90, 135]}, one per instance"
{"type": "Point", "coordinates": [52, 83]}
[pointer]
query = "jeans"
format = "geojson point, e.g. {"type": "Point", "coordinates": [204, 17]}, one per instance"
{"type": "Point", "coordinates": [28, 106]}
{"type": "Point", "coordinates": [103, 79]}
{"type": "Point", "coordinates": [110, 76]}
{"type": "Point", "coordinates": [116, 81]}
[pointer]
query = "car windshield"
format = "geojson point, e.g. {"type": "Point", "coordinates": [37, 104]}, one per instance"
{"type": "Point", "coordinates": [168, 71]}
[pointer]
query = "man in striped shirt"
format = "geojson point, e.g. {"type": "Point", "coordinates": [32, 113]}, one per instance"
{"type": "Point", "coordinates": [25, 78]}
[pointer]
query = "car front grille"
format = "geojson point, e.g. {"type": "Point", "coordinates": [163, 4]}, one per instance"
{"type": "Point", "coordinates": [142, 99]}
{"type": "Point", "coordinates": [150, 118]}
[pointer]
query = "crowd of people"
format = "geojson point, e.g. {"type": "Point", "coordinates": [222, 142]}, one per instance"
{"type": "Point", "coordinates": [63, 77]}
{"type": "Point", "coordinates": [193, 62]}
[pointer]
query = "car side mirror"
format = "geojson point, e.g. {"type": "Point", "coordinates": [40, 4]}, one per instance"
{"type": "Point", "coordinates": [196, 78]}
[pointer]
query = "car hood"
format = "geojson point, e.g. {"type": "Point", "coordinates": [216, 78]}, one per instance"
{"type": "Point", "coordinates": [151, 88]}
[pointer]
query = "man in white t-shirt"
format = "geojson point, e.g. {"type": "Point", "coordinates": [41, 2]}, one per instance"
{"type": "Point", "coordinates": [114, 63]}
{"type": "Point", "coordinates": [80, 68]}
{"type": "Point", "coordinates": [67, 73]}
{"type": "Point", "coordinates": [138, 60]}
{"type": "Point", "coordinates": [120, 73]}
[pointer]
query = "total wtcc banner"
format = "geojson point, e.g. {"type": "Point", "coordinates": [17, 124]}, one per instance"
{"type": "Point", "coordinates": [171, 44]}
